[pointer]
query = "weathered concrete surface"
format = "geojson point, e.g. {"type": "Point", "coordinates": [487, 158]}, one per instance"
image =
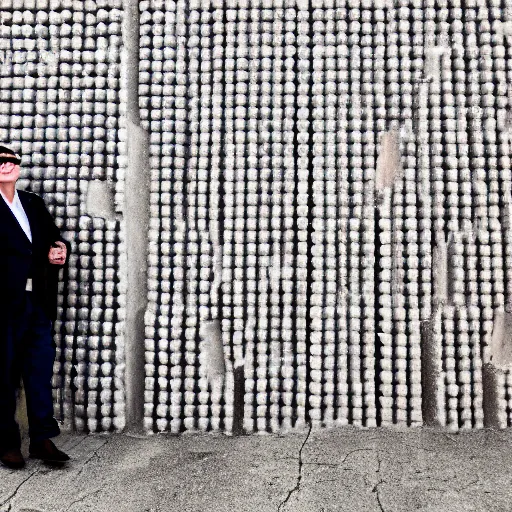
{"type": "Point", "coordinates": [136, 212]}
{"type": "Point", "coordinates": [388, 162]}
{"type": "Point", "coordinates": [342, 470]}
{"type": "Point", "coordinates": [500, 349]}
{"type": "Point", "coordinates": [99, 199]}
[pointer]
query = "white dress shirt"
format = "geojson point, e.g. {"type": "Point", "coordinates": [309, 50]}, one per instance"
{"type": "Point", "coordinates": [18, 211]}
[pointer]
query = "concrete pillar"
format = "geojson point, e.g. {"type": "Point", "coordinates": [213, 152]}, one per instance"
{"type": "Point", "coordinates": [136, 223]}
{"type": "Point", "coordinates": [440, 269]}
{"type": "Point", "coordinates": [430, 362]}
{"type": "Point", "coordinates": [494, 413]}
{"type": "Point", "coordinates": [494, 370]}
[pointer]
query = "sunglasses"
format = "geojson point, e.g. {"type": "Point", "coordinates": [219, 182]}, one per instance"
{"type": "Point", "coordinates": [13, 159]}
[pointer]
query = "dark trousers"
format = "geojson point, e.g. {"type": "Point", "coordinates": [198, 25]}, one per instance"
{"type": "Point", "coordinates": [27, 350]}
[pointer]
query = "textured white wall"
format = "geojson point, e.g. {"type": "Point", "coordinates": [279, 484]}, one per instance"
{"type": "Point", "coordinates": [326, 175]}
{"type": "Point", "coordinates": [61, 107]}
{"type": "Point", "coordinates": [356, 157]}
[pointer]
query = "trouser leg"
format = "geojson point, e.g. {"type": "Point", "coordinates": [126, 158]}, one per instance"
{"type": "Point", "coordinates": [10, 373]}
{"type": "Point", "coordinates": [37, 370]}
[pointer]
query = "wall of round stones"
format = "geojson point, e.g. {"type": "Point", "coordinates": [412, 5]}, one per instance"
{"type": "Point", "coordinates": [60, 107]}
{"type": "Point", "coordinates": [325, 176]}
{"type": "Point", "coordinates": [269, 119]}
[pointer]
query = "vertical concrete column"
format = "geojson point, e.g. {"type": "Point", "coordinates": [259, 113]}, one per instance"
{"type": "Point", "coordinates": [433, 406]}
{"type": "Point", "coordinates": [494, 370]}
{"type": "Point", "coordinates": [136, 221]}
{"type": "Point", "coordinates": [491, 402]}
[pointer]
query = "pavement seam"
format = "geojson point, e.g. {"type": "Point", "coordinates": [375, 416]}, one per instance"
{"type": "Point", "coordinates": [76, 444]}
{"type": "Point", "coordinates": [95, 453]}
{"type": "Point", "coordinates": [299, 478]}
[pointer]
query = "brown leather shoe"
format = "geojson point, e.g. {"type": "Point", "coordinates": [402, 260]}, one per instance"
{"type": "Point", "coordinates": [13, 459]}
{"type": "Point", "coordinates": [46, 451]}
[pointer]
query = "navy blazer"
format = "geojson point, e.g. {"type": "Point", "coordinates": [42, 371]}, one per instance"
{"type": "Point", "coordinates": [16, 253]}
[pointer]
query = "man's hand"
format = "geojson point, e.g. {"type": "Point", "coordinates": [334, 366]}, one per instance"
{"type": "Point", "coordinates": [57, 255]}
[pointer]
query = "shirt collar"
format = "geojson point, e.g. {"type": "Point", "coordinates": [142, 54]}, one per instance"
{"type": "Point", "coordinates": [15, 201]}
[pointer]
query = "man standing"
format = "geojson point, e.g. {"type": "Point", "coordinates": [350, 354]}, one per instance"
{"type": "Point", "coordinates": [31, 254]}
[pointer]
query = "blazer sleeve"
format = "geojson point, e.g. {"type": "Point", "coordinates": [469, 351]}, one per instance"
{"type": "Point", "coordinates": [52, 231]}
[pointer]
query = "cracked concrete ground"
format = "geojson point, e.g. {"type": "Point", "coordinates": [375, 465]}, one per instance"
{"type": "Point", "coordinates": [381, 470]}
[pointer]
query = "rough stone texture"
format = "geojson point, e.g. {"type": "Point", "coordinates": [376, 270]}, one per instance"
{"type": "Point", "coordinates": [213, 353]}
{"type": "Point", "coordinates": [430, 370]}
{"type": "Point", "coordinates": [432, 61]}
{"type": "Point", "coordinates": [136, 221]}
{"type": "Point", "coordinates": [371, 470]}
{"type": "Point", "coordinates": [440, 269]}
{"type": "Point", "coordinates": [491, 402]}
{"type": "Point", "coordinates": [501, 348]}
{"type": "Point", "coordinates": [136, 226]}
{"type": "Point", "coordinates": [388, 162]}
{"type": "Point", "coordinates": [99, 200]}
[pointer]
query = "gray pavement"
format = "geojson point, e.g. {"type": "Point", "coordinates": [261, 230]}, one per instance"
{"type": "Point", "coordinates": [348, 469]}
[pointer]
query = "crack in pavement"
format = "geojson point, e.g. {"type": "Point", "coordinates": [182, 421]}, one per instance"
{"type": "Point", "coordinates": [468, 485]}
{"type": "Point", "coordinates": [376, 487]}
{"type": "Point", "coordinates": [95, 453]}
{"type": "Point", "coordinates": [85, 496]}
{"type": "Point", "coordinates": [335, 464]}
{"type": "Point", "coordinates": [376, 490]}
{"type": "Point", "coordinates": [431, 477]}
{"type": "Point", "coordinates": [416, 447]}
{"type": "Point", "coordinates": [9, 498]}
{"type": "Point", "coordinates": [454, 489]}
{"type": "Point", "coordinates": [354, 451]}
{"type": "Point", "coordinates": [299, 478]}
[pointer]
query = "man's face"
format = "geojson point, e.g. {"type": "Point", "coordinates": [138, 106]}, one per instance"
{"type": "Point", "coordinates": [9, 172]}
